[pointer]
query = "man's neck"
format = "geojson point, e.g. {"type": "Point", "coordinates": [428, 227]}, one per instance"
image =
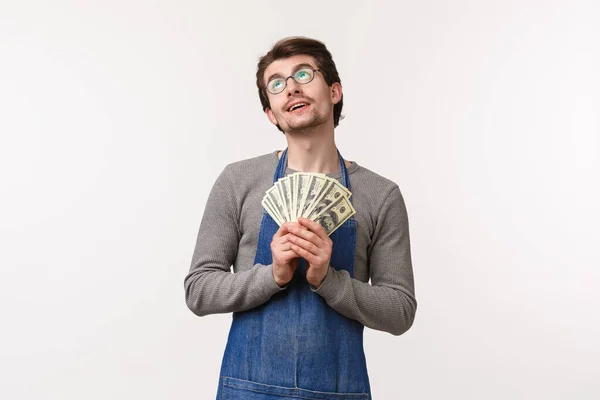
{"type": "Point", "coordinates": [312, 153]}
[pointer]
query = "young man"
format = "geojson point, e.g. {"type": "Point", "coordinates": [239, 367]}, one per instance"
{"type": "Point", "coordinates": [300, 298]}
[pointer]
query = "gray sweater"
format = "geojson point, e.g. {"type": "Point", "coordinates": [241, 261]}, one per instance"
{"type": "Point", "coordinates": [228, 236]}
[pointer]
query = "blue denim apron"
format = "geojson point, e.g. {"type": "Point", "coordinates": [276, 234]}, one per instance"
{"type": "Point", "coordinates": [295, 345]}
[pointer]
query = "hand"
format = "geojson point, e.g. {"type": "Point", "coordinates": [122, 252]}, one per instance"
{"type": "Point", "coordinates": [285, 260]}
{"type": "Point", "coordinates": [310, 241]}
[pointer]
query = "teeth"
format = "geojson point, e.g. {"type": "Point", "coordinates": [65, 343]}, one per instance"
{"type": "Point", "coordinates": [292, 108]}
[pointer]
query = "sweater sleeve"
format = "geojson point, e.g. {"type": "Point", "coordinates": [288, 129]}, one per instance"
{"type": "Point", "coordinates": [210, 287]}
{"type": "Point", "coordinates": [388, 303]}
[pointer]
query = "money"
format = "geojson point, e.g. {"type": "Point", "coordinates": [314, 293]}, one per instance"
{"type": "Point", "coordinates": [335, 214]}
{"type": "Point", "coordinates": [310, 195]}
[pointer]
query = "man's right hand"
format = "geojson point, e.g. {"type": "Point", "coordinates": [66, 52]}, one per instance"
{"type": "Point", "coordinates": [285, 260]}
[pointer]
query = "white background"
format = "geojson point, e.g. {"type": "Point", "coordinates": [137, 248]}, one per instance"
{"type": "Point", "coordinates": [117, 116]}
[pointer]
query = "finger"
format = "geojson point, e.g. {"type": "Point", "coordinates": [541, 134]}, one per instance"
{"type": "Point", "coordinates": [283, 229]}
{"type": "Point", "coordinates": [314, 227]}
{"type": "Point", "coordinates": [305, 244]}
{"type": "Point", "coordinates": [307, 255]}
{"type": "Point", "coordinates": [282, 250]}
{"type": "Point", "coordinates": [288, 255]}
{"type": "Point", "coordinates": [305, 233]}
{"type": "Point", "coordinates": [285, 239]}
{"type": "Point", "coordinates": [282, 247]}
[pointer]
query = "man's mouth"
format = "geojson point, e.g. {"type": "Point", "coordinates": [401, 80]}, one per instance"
{"type": "Point", "coordinates": [298, 106]}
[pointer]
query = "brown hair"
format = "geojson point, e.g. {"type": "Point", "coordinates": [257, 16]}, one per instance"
{"type": "Point", "coordinates": [292, 46]}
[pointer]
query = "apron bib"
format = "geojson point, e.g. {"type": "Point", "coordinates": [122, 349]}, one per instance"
{"type": "Point", "coordinates": [295, 345]}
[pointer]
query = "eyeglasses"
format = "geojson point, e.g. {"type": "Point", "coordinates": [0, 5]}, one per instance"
{"type": "Point", "coordinates": [302, 76]}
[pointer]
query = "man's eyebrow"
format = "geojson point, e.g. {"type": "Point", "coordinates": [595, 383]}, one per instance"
{"type": "Point", "coordinates": [296, 68]}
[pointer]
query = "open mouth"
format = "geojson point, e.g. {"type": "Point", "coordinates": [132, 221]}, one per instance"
{"type": "Point", "coordinates": [297, 107]}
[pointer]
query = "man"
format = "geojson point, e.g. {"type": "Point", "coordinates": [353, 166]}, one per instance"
{"type": "Point", "coordinates": [300, 298]}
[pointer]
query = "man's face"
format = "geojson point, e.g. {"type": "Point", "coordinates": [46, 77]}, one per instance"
{"type": "Point", "coordinates": [319, 97]}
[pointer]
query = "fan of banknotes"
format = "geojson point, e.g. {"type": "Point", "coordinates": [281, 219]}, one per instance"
{"type": "Point", "coordinates": [309, 195]}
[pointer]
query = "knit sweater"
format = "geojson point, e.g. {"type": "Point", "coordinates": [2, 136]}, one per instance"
{"type": "Point", "coordinates": [228, 236]}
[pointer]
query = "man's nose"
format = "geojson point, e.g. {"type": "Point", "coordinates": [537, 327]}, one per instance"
{"type": "Point", "coordinates": [292, 86]}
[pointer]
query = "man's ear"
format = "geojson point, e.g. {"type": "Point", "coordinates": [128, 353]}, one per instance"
{"type": "Point", "coordinates": [336, 92]}
{"type": "Point", "coordinates": [271, 116]}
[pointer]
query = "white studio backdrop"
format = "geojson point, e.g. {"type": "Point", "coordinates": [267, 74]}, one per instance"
{"type": "Point", "coordinates": [117, 116]}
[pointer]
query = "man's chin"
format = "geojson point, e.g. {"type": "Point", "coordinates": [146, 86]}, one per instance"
{"type": "Point", "coordinates": [299, 126]}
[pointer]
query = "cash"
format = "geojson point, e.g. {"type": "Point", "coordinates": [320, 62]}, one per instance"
{"type": "Point", "coordinates": [310, 195]}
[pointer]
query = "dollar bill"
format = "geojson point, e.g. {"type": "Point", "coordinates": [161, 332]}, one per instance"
{"type": "Point", "coordinates": [275, 200]}
{"type": "Point", "coordinates": [294, 179]}
{"type": "Point", "coordinates": [287, 185]}
{"type": "Point", "coordinates": [284, 197]}
{"type": "Point", "coordinates": [302, 187]}
{"type": "Point", "coordinates": [312, 195]}
{"type": "Point", "coordinates": [291, 182]}
{"type": "Point", "coordinates": [335, 214]}
{"type": "Point", "coordinates": [315, 187]}
{"type": "Point", "coordinates": [333, 191]}
{"type": "Point", "coordinates": [271, 211]}
{"type": "Point", "coordinates": [273, 208]}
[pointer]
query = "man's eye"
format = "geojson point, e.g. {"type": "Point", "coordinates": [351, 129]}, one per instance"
{"type": "Point", "coordinates": [303, 75]}
{"type": "Point", "coordinates": [276, 84]}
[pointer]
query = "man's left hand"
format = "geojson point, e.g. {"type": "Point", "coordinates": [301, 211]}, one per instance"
{"type": "Point", "coordinates": [310, 241]}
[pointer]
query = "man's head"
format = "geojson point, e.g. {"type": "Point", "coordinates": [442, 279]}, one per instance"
{"type": "Point", "coordinates": [314, 81]}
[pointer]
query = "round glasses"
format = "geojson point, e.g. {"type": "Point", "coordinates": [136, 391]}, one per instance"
{"type": "Point", "coordinates": [302, 76]}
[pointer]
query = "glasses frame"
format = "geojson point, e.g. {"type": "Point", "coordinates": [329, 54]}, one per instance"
{"type": "Point", "coordinates": [293, 77]}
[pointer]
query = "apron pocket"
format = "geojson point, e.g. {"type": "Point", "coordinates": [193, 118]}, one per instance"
{"type": "Point", "coordinates": [240, 389]}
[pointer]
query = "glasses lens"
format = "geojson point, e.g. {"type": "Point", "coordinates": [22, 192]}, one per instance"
{"type": "Point", "coordinates": [276, 85]}
{"type": "Point", "coordinates": [304, 75]}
